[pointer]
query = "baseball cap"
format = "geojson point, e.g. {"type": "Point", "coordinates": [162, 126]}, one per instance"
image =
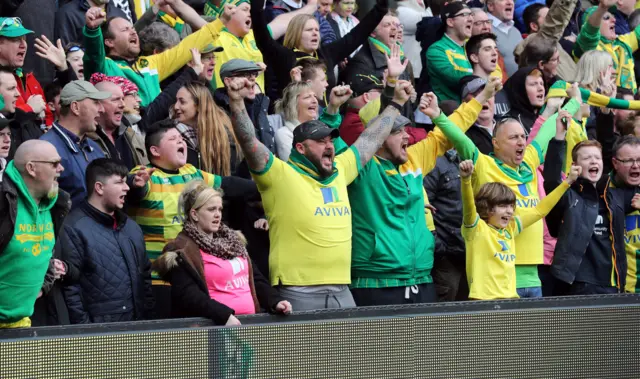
{"type": "Point", "coordinates": [471, 84]}
{"type": "Point", "coordinates": [450, 9]}
{"type": "Point", "coordinates": [236, 66]}
{"type": "Point", "coordinates": [211, 49]}
{"type": "Point", "coordinates": [314, 130]}
{"type": "Point", "coordinates": [12, 27]}
{"type": "Point", "coordinates": [361, 84]}
{"type": "Point", "coordinates": [79, 90]}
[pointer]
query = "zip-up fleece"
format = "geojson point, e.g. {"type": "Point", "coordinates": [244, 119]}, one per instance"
{"type": "Point", "coordinates": [24, 261]}
{"type": "Point", "coordinates": [146, 72]}
{"type": "Point", "coordinates": [390, 238]}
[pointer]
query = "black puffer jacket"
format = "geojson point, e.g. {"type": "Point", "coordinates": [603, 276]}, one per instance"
{"type": "Point", "coordinates": [25, 126]}
{"type": "Point", "coordinates": [109, 273]}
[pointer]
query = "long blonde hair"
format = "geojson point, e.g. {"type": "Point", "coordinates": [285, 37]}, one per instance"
{"type": "Point", "coordinates": [294, 30]}
{"type": "Point", "coordinates": [589, 68]}
{"type": "Point", "coordinates": [214, 128]}
{"type": "Point", "coordinates": [288, 104]}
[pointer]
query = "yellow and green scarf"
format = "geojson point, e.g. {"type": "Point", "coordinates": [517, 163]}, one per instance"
{"type": "Point", "coordinates": [559, 89]}
{"type": "Point", "coordinates": [302, 165]}
{"type": "Point", "coordinates": [175, 22]}
{"type": "Point", "coordinates": [211, 10]}
{"type": "Point", "coordinates": [384, 49]}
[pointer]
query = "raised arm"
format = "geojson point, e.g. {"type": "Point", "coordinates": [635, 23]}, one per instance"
{"type": "Point", "coordinates": [278, 25]}
{"type": "Point", "coordinates": [557, 19]}
{"type": "Point", "coordinates": [589, 36]}
{"type": "Point", "coordinates": [379, 128]}
{"type": "Point", "coordinates": [186, 13]}
{"type": "Point", "coordinates": [255, 152]}
{"type": "Point", "coordinates": [270, 49]}
{"type": "Point", "coordinates": [469, 213]}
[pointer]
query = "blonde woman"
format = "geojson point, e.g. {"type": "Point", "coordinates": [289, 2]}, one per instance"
{"type": "Point", "coordinates": [207, 130]}
{"type": "Point", "coordinates": [299, 104]}
{"type": "Point", "coordinates": [302, 40]}
{"type": "Point", "coordinates": [210, 271]}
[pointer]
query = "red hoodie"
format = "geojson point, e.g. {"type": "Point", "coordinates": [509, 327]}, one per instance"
{"type": "Point", "coordinates": [31, 88]}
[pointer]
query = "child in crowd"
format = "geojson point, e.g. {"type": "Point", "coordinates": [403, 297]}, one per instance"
{"type": "Point", "coordinates": [489, 229]}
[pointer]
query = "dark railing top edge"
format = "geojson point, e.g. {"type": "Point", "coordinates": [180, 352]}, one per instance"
{"type": "Point", "coordinates": [432, 309]}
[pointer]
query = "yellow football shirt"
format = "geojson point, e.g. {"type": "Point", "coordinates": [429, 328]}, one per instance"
{"type": "Point", "coordinates": [491, 259]}
{"type": "Point", "coordinates": [236, 48]}
{"type": "Point", "coordinates": [632, 249]}
{"type": "Point", "coordinates": [309, 222]}
{"type": "Point", "coordinates": [489, 170]}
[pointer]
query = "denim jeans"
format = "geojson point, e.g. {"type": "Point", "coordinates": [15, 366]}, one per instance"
{"type": "Point", "coordinates": [529, 292]}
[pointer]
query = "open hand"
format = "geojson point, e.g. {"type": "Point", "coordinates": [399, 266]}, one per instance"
{"type": "Point", "coordinates": [574, 173]}
{"type": "Point", "coordinates": [196, 61]}
{"type": "Point", "coordinates": [54, 54]}
{"type": "Point", "coordinates": [466, 168]}
{"type": "Point", "coordinates": [284, 307]}
{"type": "Point", "coordinates": [141, 177]}
{"type": "Point", "coordinates": [429, 105]}
{"type": "Point", "coordinates": [95, 17]}
{"type": "Point", "coordinates": [395, 66]}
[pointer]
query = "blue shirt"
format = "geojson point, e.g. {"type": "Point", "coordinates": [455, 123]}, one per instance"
{"type": "Point", "coordinates": [75, 156]}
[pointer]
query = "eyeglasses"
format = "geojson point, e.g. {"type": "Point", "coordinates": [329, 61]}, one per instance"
{"type": "Point", "coordinates": [628, 162]}
{"type": "Point", "coordinates": [464, 15]}
{"type": "Point", "coordinates": [248, 75]}
{"type": "Point", "coordinates": [11, 21]}
{"type": "Point", "coordinates": [55, 164]}
{"type": "Point", "coordinates": [483, 22]}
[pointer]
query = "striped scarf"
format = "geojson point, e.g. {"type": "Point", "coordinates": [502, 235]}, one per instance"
{"type": "Point", "coordinates": [302, 165]}
{"type": "Point", "coordinates": [175, 22]}
{"type": "Point", "coordinates": [212, 10]}
{"type": "Point", "coordinates": [384, 49]}
{"type": "Point", "coordinates": [559, 89]}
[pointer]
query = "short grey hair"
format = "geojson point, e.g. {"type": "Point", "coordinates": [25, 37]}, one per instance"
{"type": "Point", "coordinates": [157, 36]}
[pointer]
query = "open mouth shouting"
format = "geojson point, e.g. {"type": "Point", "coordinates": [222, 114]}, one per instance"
{"type": "Point", "coordinates": [181, 151]}
{"type": "Point", "coordinates": [327, 158]}
{"type": "Point", "coordinates": [593, 174]}
{"type": "Point", "coordinates": [519, 155]}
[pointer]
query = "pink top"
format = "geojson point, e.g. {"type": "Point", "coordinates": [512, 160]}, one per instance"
{"type": "Point", "coordinates": [228, 282]}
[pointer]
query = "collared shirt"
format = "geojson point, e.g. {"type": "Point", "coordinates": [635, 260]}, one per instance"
{"type": "Point", "coordinates": [504, 27]}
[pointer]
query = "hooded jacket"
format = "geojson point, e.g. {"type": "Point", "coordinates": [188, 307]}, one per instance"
{"type": "Point", "coordinates": [181, 264]}
{"type": "Point", "coordinates": [27, 239]}
{"type": "Point", "coordinates": [515, 90]}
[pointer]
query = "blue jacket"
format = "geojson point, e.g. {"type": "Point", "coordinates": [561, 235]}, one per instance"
{"type": "Point", "coordinates": [109, 273]}
{"type": "Point", "coordinates": [521, 5]}
{"type": "Point", "coordinates": [622, 23]}
{"type": "Point", "coordinates": [76, 156]}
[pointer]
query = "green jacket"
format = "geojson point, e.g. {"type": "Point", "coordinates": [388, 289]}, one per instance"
{"type": "Point", "coordinates": [24, 261]}
{"type": "Point", "coordinates": [447, 64]}
{"type": "Point", "coordinates": [146, 72]}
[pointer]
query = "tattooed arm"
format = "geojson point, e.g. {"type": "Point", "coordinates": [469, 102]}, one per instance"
{"type": "Point", "coordinates": [255, 152]}
{"type": "Point", "coordinates": [380, 127]}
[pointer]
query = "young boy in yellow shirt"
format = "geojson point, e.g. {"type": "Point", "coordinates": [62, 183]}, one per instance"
{"type": "Point", "coordinates": [489, 228]}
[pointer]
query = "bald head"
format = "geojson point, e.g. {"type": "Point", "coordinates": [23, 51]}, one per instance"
{"type": "Point", "coordinates": [34, 150]}
{"type": "Point", "coordinates": [110, 87]}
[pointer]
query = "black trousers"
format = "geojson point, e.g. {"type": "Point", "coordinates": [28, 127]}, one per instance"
{"type": "Point", "coordinates": [421, 293]}
{"type": "Point", "coordinates": [450, 278]}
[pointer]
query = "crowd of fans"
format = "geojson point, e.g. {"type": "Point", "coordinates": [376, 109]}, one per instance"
{"type": "Point", "coordinates": [190, 158]}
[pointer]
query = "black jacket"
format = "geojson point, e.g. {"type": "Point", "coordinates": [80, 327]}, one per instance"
{"type": "Point", "coordinates": [182, 266]}
{"type": "Point", "coordinates": [282, 59]}
{"type": "Point", "coordinates": [109, 272]}
{"type": "Point", "coordinates": [573, 218]}
{"type": "Point", "coordinates": [25, 126]}
{"type": "Point", "coordinates": [427, 33]}
{"type": "Point", "coordinates": [70, 20]}
{"type": "Point", "coordinates": [257, 110]}
{"type": "Point", "coordinates": [481, 138]}
{"type": "Point", "coordinates": [444, 192]}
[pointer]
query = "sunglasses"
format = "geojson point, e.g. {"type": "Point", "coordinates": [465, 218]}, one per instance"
{"type": "Point", "coordinates": [11, 21]}
{"type": "Point", "coordinates": [73, 49]}
{"type": "Point", "coordinates": [55, 164]}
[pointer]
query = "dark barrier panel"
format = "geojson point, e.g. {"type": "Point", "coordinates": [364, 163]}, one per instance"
{"type": "Point", "coordinates": [585, 337]}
